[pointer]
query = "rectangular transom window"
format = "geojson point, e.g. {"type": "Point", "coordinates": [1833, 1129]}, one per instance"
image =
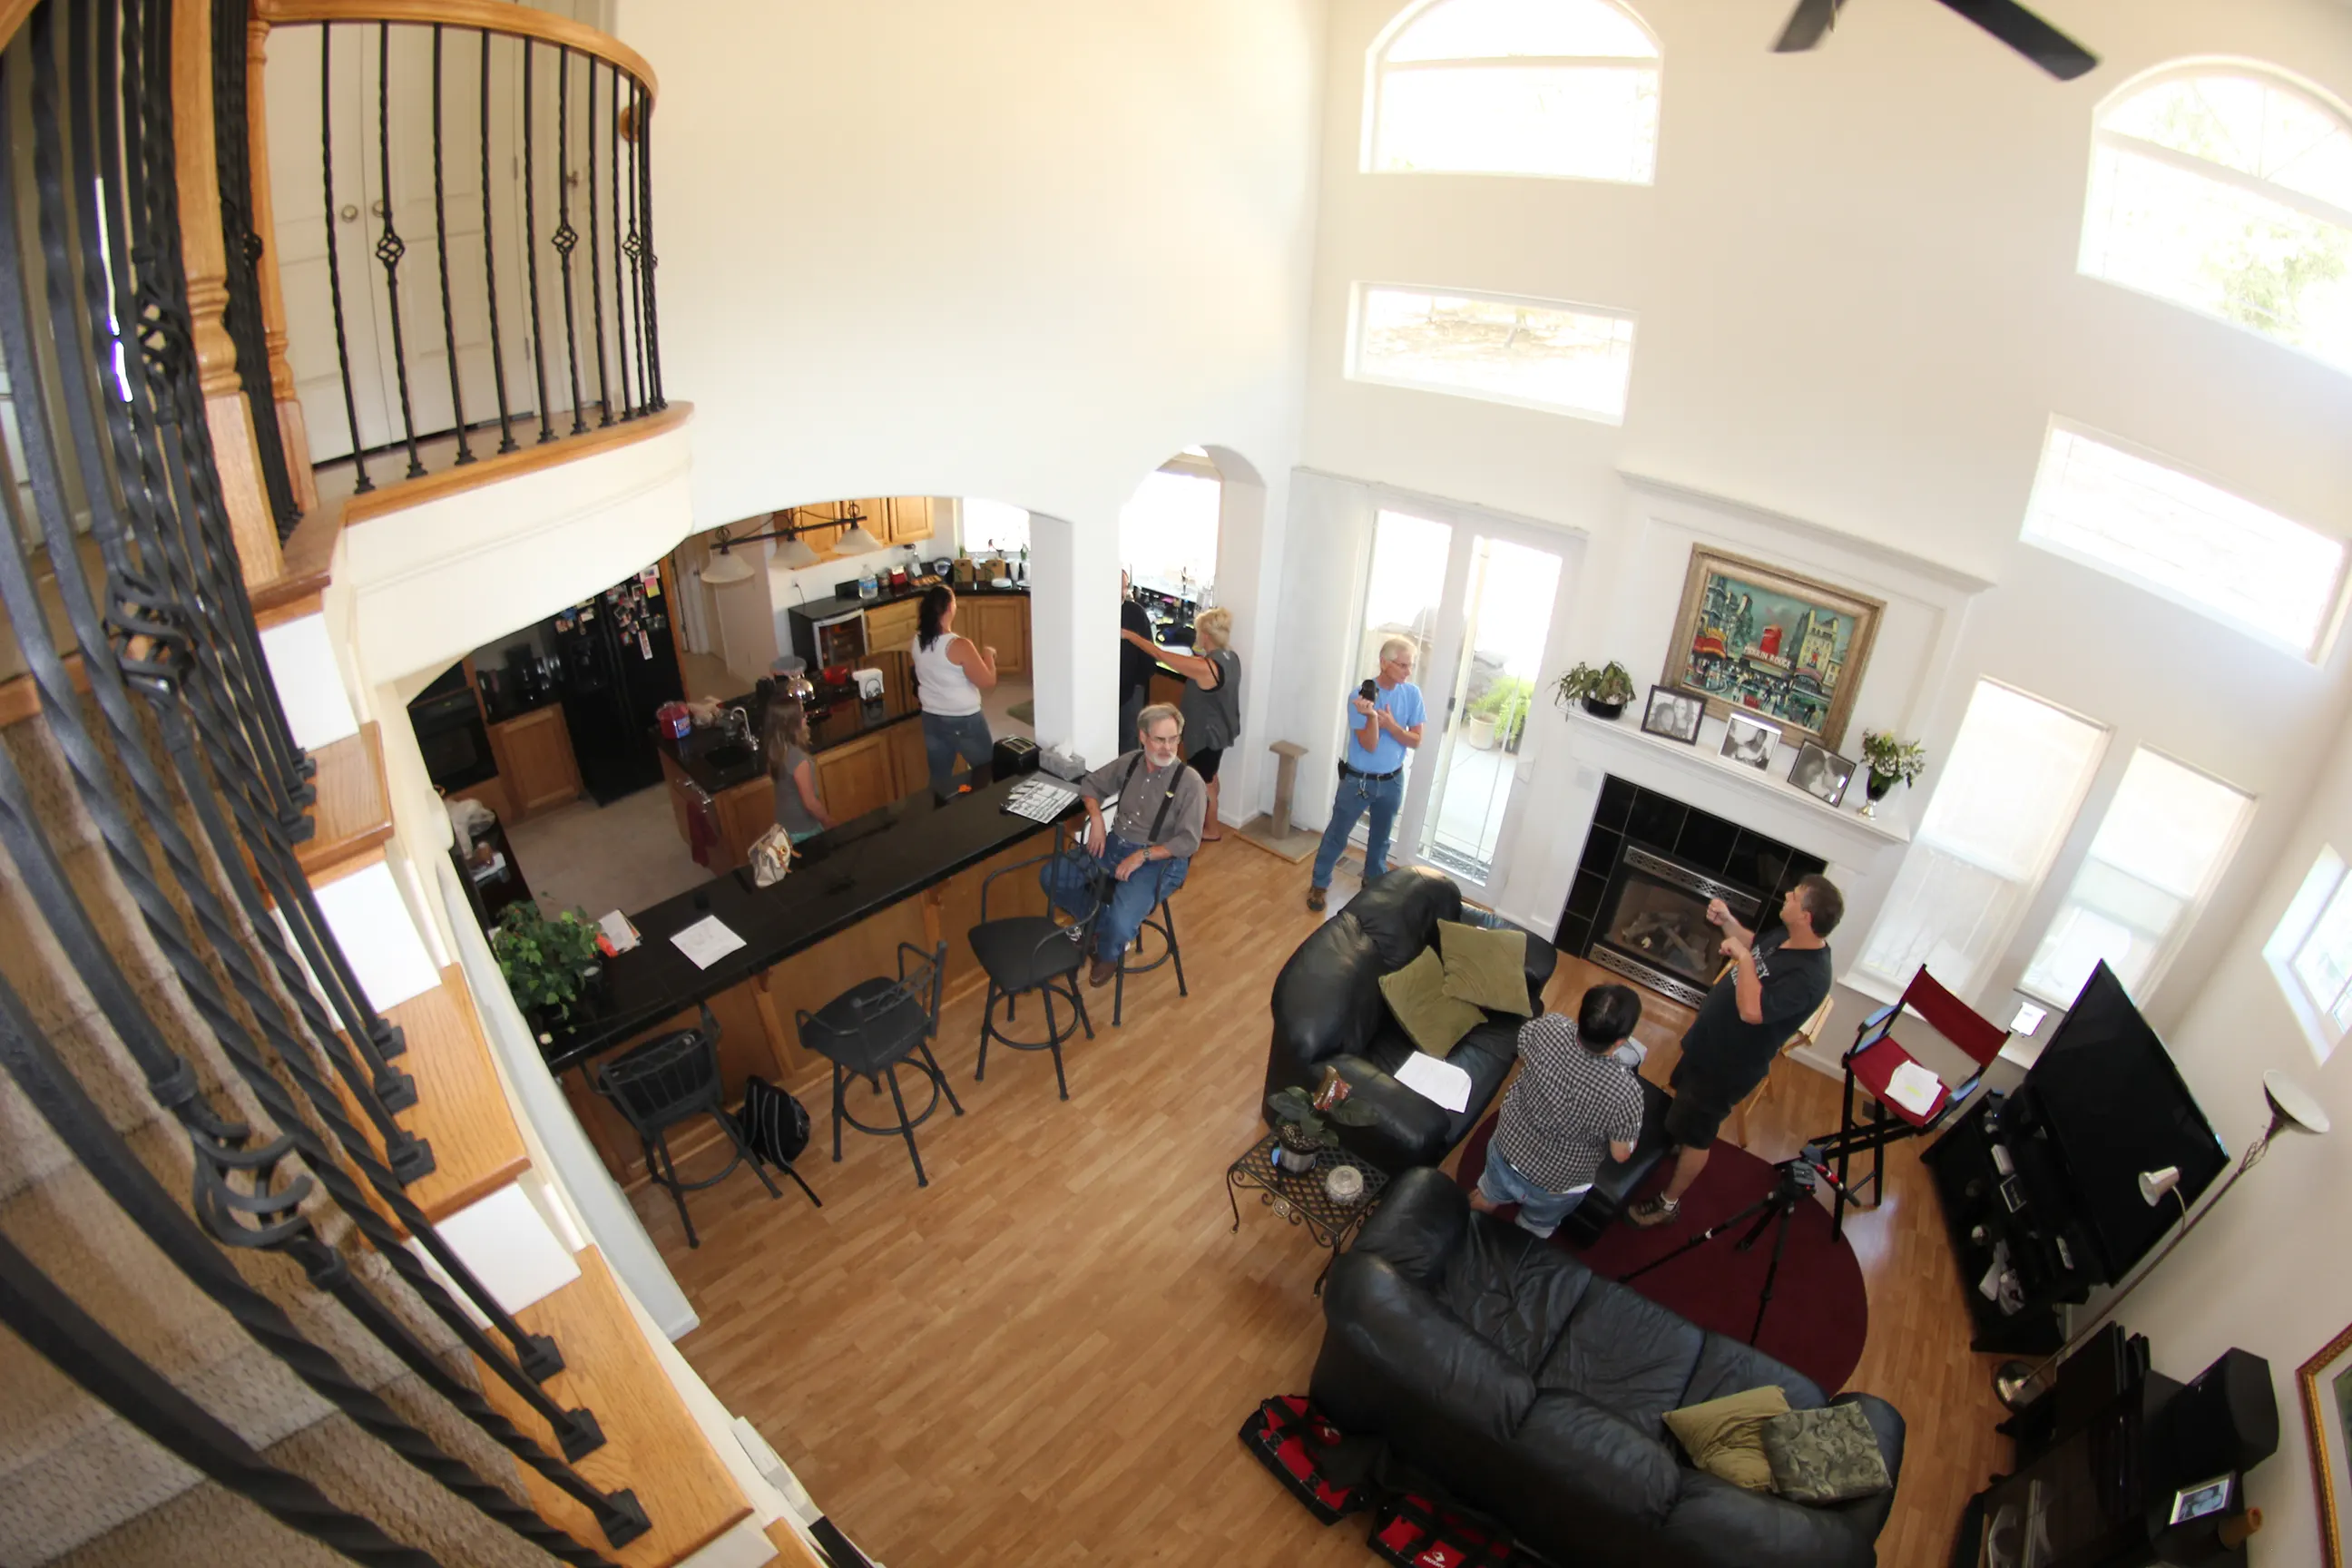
{"type": "Point", "coordinates": [1536, 353]}
{"type": "Point", "coordinates": [2008, 796]}
{"type": "Point", "coordinates": [2164, 840]}
{"type": "Point", "coordinates": [2311, 954]}
{"type": "Point", "coordinates": [2200, 546]}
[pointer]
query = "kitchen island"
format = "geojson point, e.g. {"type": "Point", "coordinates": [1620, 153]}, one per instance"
{"type": "Point", "coordinates": [910, 871]}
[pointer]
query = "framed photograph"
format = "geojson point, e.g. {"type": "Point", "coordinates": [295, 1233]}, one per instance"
{"type": "Point", "coordinates": [1748, 740]}
{"type": "Point", "coordinates": [1821, 772]}
{"type": "Point", "coordinates": [2203, 1497]}
{"type": "Point", "coordinates": [1784, 647]}
{"type": "Point", "coordinates": [2326, 1380]}
{"type": "Point", "coordinates": [1673, 714]}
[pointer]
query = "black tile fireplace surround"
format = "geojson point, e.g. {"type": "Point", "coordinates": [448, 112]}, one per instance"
{"type": "Point", "coordinates": [1649, 864]}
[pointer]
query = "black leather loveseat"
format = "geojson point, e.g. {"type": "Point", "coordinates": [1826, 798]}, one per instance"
{"type": "Point", "coordinates": [1534, 1390]}
{"type": "Point", "coordinates": [1328, 1008]}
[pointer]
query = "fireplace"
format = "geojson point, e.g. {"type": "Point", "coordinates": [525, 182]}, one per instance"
{"type": "Point", "coordinates": [1654, 928]}
{"type": "Point", "coordinates": [1638, 905]}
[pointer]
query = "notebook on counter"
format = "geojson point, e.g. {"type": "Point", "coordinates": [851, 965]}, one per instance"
{"type": "Point", "coordinates": [1040, 799]}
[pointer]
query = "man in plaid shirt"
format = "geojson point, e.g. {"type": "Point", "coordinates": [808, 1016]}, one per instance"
{"type": "Point", "coordinates": [1575, 1098]}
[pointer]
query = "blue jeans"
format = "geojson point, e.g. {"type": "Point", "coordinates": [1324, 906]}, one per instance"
{"type": "Point", "coordinates": [1540, 1208]}
{"type": "Point", "coordinates": [945, 738]}
{"type": "Point", "coordinates": [1356, 793]}
{"type": "Point", "coordinates": [1129, 901]}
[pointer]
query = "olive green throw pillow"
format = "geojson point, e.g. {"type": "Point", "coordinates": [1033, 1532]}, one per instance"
{"type": "Point", "coordinates": [1824, 1456]}
{"type": "Point", "coordinates": [1724, 1437]}
{"type": "Point", "coordinates": [1485, 968]}
{"type": "Point", "coordinates": [1417, 996]}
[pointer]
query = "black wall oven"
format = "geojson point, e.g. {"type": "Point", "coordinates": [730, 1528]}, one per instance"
{"type": "Point", "coordinates": [448, 725]}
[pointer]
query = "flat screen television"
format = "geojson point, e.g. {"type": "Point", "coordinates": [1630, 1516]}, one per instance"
{"type": "Point", "coordinates": [2115, 1106]}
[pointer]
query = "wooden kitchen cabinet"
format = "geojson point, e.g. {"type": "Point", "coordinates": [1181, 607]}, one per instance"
{"type": "Point", "coordinates": [893, 625]}
{"type": "Point", "coordinates": [745, 811]}
{"type": "Point", "coordinates": [535, 761]}
{"type": "Point", "coordinates": [909, 518]}
{"type": "Point", "coordinates": [910, 767]}
{"type": "Point", "coordinates": [1000, 621]}
{"type": "Point", "coordinates": [856, 778]}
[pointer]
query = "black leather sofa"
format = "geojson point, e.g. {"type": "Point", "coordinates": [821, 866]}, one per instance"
{"type": "Point", "coordinates": [1533, 1390]}
{"type": "Point", "coordinates": [1328, 1008]}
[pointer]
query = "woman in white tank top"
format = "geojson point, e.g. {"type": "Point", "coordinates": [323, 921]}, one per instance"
{"type": "Point", "coordinates": [950, 676]}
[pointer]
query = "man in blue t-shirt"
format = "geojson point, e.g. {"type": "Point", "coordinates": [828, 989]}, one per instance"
{"type": "Point", "coordinates": [1380, 729]}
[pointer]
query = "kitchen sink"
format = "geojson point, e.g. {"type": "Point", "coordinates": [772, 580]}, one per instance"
{"type": "Point", "coordinates": [731, 756]}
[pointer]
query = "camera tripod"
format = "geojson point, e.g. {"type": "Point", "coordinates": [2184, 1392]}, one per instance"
{"type": "Point", "coordinates": [1793, 1182]}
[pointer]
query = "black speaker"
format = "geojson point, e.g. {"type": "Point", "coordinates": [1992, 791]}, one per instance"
{"type": "Point", "coordinates": [2227, 1419]}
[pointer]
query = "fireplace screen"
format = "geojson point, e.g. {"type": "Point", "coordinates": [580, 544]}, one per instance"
{"type": "Point", "coordinates": [1655, 928]}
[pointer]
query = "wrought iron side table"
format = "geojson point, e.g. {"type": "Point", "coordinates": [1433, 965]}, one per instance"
{"type": "Point", "coordinates": [1299, 1195]}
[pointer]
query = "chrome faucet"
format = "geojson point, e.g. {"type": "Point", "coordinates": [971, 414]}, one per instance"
{"type": "Point", "coordinates": [738, 725]}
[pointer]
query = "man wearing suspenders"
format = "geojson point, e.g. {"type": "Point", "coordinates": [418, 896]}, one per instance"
{"type": "Point", "coordinates": [1161, 805]}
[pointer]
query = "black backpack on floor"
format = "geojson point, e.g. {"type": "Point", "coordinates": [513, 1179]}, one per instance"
{"type": "Point", "coordinates": [774, 1123]}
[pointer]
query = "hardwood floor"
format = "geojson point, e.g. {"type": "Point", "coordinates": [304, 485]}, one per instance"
{"type": "Point", "coordinates": [1044, 1356]}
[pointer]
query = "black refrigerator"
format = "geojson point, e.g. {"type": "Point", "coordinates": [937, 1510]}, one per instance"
{"type": "Point", "coordinates": [619, 665]}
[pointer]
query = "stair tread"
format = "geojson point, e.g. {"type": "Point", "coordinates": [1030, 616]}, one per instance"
{"type": "Point", "coordinates": [354, 811]}
{"type": "Point", "coordinates": [461, 1108]}
{"type": "Point", "coordinates": [305, 566]}
{"type": "Point", "coordinates": [652, 1447]}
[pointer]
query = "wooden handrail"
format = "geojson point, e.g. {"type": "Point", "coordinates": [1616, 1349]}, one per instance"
{"type": "Point", "coordinates": [514, 21]}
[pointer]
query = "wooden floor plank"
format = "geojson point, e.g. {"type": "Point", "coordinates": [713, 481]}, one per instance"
{"type": "Point", "coordinates": [1044, 1355]}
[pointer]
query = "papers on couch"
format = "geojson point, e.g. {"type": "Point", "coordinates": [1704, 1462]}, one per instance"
{"type": "Point", "coordinates": [1440, 1082]}
{"type": "Point", "coordinates": [1915, 1089]}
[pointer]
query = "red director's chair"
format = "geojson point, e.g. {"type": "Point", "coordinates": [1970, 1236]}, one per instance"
{"type": "Point", "coordinates": [1871, 1064]}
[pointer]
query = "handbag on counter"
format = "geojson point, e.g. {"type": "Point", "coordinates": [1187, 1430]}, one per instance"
{"type": "Point", "coordinates": [770, 857]}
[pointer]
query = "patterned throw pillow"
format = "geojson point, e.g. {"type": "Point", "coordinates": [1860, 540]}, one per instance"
{"type": "Point", "coordinates": [1724, 1437]}
{"type": "Point", "coordinates": [1829, 1454]}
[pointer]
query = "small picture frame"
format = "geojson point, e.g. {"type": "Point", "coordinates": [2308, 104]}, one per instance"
{"type": "Point", "coordinates": [1821, 773]}
{"type": "Point", "coordinates": [1674, 714]}
{"type": "Point", "coordinates": [1750, 741]}
{"type": "Point", "coordinates": [2201, 1498]}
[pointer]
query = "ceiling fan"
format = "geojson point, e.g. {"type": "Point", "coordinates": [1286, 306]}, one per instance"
{"type": "Point", "coordinates": [2007, 20]}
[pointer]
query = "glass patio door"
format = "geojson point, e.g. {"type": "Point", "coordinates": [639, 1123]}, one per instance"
{"type": "Point", "coordinates": [1478, 609]}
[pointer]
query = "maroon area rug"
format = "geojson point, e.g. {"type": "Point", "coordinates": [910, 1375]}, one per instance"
{"type": "Point", "coordinates": [1819, 1312]}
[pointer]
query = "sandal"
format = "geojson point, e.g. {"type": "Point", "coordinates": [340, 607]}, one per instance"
{"type": "Point", "coordinates": [1654, 1211]}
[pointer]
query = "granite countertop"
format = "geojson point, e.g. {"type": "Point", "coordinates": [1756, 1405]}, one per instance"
{"type": "Point", "coordinates": [845, 719]}
{"type": "Point", "coordinates": [846, 874]}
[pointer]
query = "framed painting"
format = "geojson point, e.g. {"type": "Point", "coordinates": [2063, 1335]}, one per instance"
{"type": "Point", "coordinates": [1750, 638]}
{"type": "Point", "coordinates": [2326, 1380]}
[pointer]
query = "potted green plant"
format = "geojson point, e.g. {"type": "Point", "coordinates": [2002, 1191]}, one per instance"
{"type": "Point", "coordinates": [1303, 1132]}
{"type": "Point", "coordinates": [1500, 713]}
{"type": "Point", "coordinates": [1890, 761]}
{"type": "Point", "coordinates": [549, 964]}
{"type": "Point", "coordinates": [1603, 692]}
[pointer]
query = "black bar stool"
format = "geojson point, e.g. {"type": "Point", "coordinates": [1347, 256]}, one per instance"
{"type": "Point", "coordinates": [1162, 920]}
{"type": "Point", "coordinates": [668, 1080]}
{"type": "Point", "coordinates": [873, 1027]}
{"type": "Point", "coordinates": [1021, 954]}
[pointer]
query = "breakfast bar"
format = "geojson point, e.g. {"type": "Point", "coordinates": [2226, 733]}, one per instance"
{"type": "Point", "coordinates": [910, 871]}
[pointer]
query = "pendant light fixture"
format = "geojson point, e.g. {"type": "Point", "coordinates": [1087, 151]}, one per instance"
{"type": "Point", "coordinates": [856, 541]}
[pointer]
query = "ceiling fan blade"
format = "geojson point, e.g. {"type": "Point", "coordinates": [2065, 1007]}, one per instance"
{"type": "Point", "coordinates": [1807, 25]}
{"type": "Point", "coordinates": [2029, 34]}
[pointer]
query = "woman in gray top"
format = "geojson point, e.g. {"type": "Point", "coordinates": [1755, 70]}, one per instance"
{"type": "Point", "coordinates": [799, 811]}
{"type": "Point", "coordinates": [1211, 703]}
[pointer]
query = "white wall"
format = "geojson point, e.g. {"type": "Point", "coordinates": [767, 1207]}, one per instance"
{"type": "Point", "coordinates": [1857, 307]}
{"type": "Point", "coordinates": [1025, 251]}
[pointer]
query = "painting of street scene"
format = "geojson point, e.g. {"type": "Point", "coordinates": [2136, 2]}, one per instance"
{"type": "Point", "coordinates": [1778, 646]}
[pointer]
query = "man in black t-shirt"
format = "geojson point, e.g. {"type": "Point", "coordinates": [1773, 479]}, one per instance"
{"type": "Point", "coordinates": [1134, 666]}
{"type": "Point", "coordinates": [1772, 986]}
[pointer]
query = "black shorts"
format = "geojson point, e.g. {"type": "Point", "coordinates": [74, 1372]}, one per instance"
{"type": "Point", "coordinates": [1205, 763]}
{"type": "Point", "coordinates": [1696, 1115]}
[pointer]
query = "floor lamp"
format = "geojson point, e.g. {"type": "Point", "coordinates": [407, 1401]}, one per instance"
{"type": "Point", "coordinates": [2018, 1385]}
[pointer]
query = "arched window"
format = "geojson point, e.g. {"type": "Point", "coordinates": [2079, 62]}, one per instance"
{"type": "Point", "coordinates": [2228, 191]}
{"type": "Point", "coordinates": [1566, 88]}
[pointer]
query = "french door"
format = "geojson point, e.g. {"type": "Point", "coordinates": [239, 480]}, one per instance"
{"type": "Point", "coordinates": [1478, 598]}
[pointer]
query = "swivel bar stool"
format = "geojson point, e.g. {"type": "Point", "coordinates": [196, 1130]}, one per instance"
{"type": "Point", "coordinates": [873, 1027]}
{"type": "Point", "coordinates": [1021, 954]}
{"type": "Point", "coordinates": [668, 1080]}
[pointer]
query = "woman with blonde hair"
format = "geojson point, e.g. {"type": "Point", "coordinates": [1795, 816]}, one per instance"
{"type": "Point", "coordinates": [1211, 703]}
{"type": "Point", "coordinates": [800, 810]}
